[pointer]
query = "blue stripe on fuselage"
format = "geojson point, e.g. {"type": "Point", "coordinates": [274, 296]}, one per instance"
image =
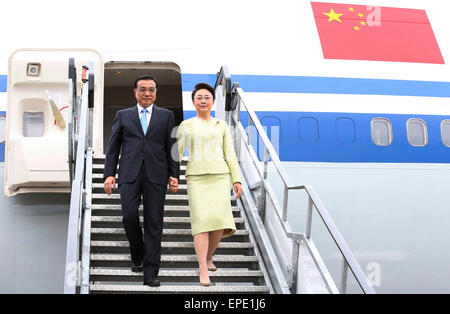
{"type": "Point", "coordinates": [327, 147]}
{"type": "Point", "coordinates": [3, 83]}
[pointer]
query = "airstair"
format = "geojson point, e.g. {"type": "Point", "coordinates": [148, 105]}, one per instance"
{"type": "Point", "coordinates": [238, 265]}
{"type": "Point", "coordinates": [264, 256]}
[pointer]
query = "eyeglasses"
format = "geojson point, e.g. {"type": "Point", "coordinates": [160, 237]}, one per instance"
{"type": "Point", "coordinates": [144, 90]}
{"type": "Point", "coordinates": [200, 98]}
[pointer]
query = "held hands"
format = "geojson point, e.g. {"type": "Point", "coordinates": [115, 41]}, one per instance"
{"type": "Point", "coordinates": [173, 184]}
{"type": "Point", "coordinates": [110, 181]}
{"type": "Point", "coordinates": [237, 189]}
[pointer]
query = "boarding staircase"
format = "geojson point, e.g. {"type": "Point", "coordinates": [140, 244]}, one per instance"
{"type": "Point", "coordinates": [264, 256]}
{"type": "Point", "coordinates": [239, 268]}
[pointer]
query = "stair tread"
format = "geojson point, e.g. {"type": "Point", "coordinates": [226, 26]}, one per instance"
{"type": "Point", "coordinates": [164, 244]}
{"type": "Point", "coordinates": [175, 258]}
{"type": "Point", "coordinates": [166, 208]}
{"type": "Point", "coordinates": [166, 219]}
{"type": "Point", "coordinates": [117, 196]}
{"type": "Point", "coordinates": [100, 176]}
{"type": "Point", "coordinates": [178, 289]}
{"type": "Point", "coordinates": [101, 186]}
{"type": "Point", "coordinates": [102, 166]}
{"type": "Point", "coordinates": [98, 157]}
{"type": "Point", "coordinates": [165, 231]}
{"type": "Point", "coordinates": [178, 273]}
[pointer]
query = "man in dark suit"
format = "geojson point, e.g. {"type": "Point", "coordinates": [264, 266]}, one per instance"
{"type": "Point", "coordinates": [144, 134]}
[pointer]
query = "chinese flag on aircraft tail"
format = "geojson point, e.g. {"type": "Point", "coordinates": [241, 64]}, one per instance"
{"type": "Point", "coordinates": [360, 32]}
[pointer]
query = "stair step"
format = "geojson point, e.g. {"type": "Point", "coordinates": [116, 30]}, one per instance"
{"type": "Point", "coordinates": [101, 166]}
{"type": "Point", "coordinates": [168, 196]}
{"type": "Point", "coordinates": [169, 211]}
{"type": "Point", "coordinates": [101, 158]}
{"type": "Point", "coordinates": [170, 247]}
{"type": "Point", "coordinates": [117, 196]}
{"type": "Point", "coordinates": [100, 288]}
{"type": "Point", "coordinates": [176, 235]}
{"type": "Point", "coordinates": [171, 199]}
{"type": "Point", "coordinates": [176, 222]}
{"type": "Point", "coordinates": [167, 275]}
{"type": "Point", "coordinates": [99, 187]}
{"type": "Point", "coordinates": [178, 261]}
{"type": "Point", "coordinates": [98, 177]}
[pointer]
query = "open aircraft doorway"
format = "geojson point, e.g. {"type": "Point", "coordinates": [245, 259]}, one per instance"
{"type": "Point", "coordinates": [118, 91]}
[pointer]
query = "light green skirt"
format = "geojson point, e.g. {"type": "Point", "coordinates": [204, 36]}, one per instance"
{"type": "Point", "coordinates": [210, 203]}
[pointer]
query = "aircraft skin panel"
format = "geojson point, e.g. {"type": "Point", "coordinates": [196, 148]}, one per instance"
{"type": "Point", "coordinates": [33, 242]}
{"type": "Point", "coordinates": [393, 216]}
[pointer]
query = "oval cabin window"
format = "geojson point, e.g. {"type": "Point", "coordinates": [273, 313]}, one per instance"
{"type": "Point", "coordinates": [381, 130]}
{"type": "Point", "coordinates": [308, 129]}
{"type": "Point", "coordinates": [445, 131]}
{"type": "Point", "coordinates": [416, 130]}
{"type": "Point", "coordinates": [345, 130]}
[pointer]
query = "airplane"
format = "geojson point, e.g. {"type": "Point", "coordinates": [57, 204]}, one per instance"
{"type": "Point", "coordinates": [353, 94]}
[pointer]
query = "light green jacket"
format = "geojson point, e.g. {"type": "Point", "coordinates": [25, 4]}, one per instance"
{"type": "Point", "coordinates": [210, 149]}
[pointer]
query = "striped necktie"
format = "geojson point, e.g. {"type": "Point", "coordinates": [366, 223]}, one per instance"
{"type": "Point", "coordinates": [144, 122]}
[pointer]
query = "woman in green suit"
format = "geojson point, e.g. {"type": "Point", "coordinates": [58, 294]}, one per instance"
{"type": "Point", "coordinates": [212, 161]}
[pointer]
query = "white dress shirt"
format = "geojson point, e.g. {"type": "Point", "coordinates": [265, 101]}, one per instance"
{"type": "Point", "coordinates": [149, 112]}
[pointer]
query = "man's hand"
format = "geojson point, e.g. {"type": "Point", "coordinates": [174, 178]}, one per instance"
{"type": "Point", "coordinates": [237, 189]}
{"type": "Point", "coordinates": [173, 184]}
{"type": "Point", "coordinates": [110, 181]}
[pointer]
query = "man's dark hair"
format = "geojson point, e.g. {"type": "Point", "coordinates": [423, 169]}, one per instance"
{"type": "Point", "coordinates": [200, 86]}
{"type": "Point", "coordinates": [145, 78]}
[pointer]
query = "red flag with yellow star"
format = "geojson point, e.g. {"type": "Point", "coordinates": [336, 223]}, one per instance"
{"type": "Point", "coordinates": [361, 32]}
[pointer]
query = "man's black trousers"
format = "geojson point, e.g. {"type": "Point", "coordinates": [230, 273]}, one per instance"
{"type": "Point", "coordinates": [145, 248]}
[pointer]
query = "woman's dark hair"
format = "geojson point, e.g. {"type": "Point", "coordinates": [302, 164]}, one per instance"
{"type": "Point", "coordinates": [145, 78]}
{"type": "Point", "coordinates": [200, 86]}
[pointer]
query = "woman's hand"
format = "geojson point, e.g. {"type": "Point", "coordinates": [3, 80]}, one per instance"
{"type": "Point", "coordinates": [237, 189]}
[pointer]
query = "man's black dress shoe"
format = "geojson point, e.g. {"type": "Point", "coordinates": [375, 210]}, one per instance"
{"type": "Point", "coordinates": [137, 269]}
{"type": "Point", "coordinates": [152, 282]}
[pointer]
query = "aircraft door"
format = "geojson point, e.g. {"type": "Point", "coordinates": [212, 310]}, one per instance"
{"type": "Point", "coordinates": [36, 150]}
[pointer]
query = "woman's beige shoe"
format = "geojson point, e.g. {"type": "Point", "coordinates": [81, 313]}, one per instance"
{"type": "Point", "coordinates": [205, 284]}
{"type": "Point", "coordinates": [211, 267]}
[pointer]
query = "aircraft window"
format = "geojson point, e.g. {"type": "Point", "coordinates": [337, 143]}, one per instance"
{"type": "Point", "coordinates": [2, 128]}
{"type": "Point", "coordinates": [381, 131]}
{"type": "Point", "coordinates": [33, 124]}
{"type": "Point", "coordinates": [445, 130]}
{"type": "Point", "coordinates": [308, 129]}
{"type": "Point", "coordinates": [417, 132]}
{"type": "Point", "coordinates": [345, 130]}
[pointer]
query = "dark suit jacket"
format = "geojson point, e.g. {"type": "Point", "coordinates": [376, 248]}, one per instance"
{"type": "Point", "coordinates": [154, 148]}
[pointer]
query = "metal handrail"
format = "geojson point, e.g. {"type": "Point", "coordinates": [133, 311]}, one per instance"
{"type": "Point", "coordinates": [349, 261]}
{"type": "Point", "coordinates": [296, 237]}
{"type": "Point", "coordinates": [72, 120]}
{"type": "Point", "coordinates": [81, 137]}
